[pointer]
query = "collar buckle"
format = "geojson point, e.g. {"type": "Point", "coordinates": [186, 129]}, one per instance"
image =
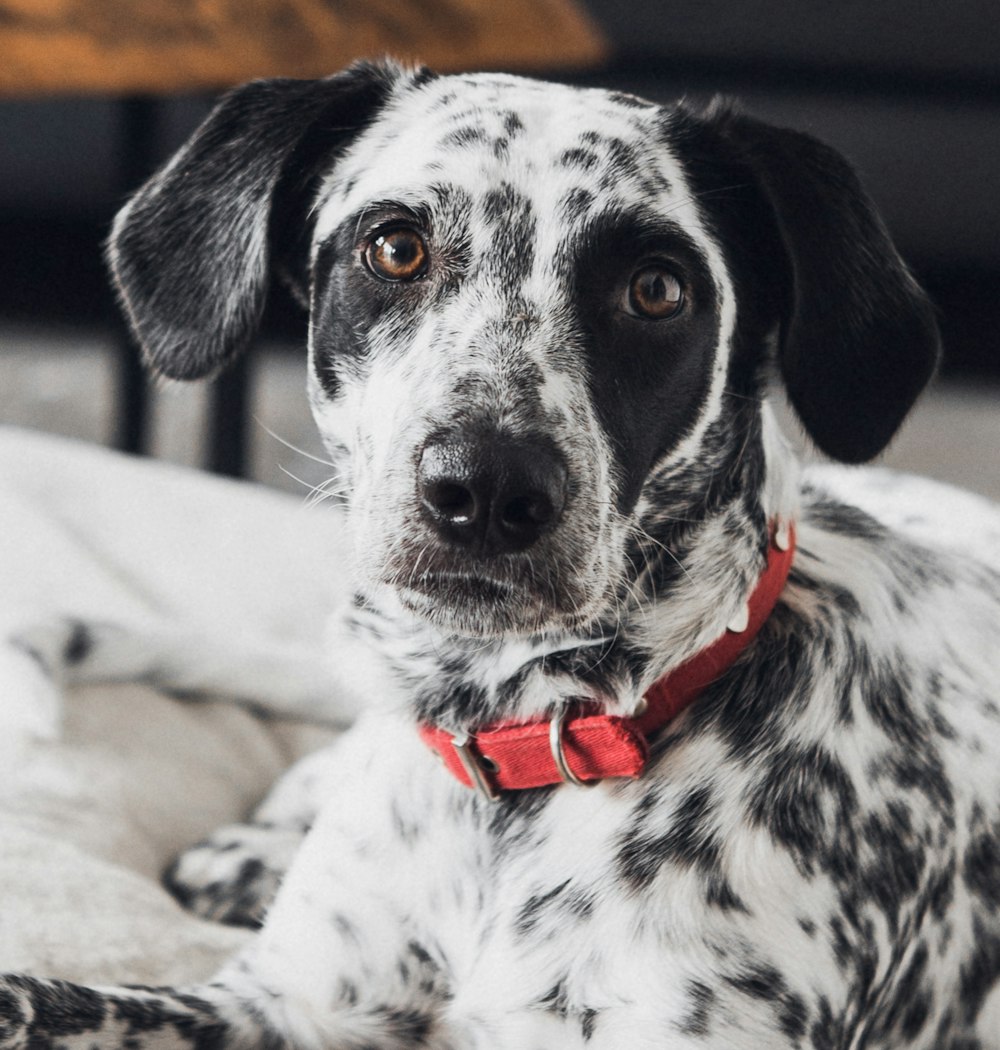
{"type": "Point", "coordinates": [474, 766]}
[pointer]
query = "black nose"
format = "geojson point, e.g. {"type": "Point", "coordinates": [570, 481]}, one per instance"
{"type": "Point", "coordinates": [496, 494]}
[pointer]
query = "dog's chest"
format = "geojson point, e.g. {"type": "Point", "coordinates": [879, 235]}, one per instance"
{"type": "Point", "coordinates": [568, 907]}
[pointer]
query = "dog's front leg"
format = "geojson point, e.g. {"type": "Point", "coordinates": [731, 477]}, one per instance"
{"type": "Point", "coordinates": [36, 1012]}
{"type": "Point", "coordinates": [343, 982]}
{"type": "Point", "coordinates": [278, 677]}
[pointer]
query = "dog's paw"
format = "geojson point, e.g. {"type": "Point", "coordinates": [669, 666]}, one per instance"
{"type": "Point", "coordinates": [233, 875]}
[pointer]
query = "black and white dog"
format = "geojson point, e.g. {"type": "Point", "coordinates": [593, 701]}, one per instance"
{"type": "Point", "coordinates": [721, 749]}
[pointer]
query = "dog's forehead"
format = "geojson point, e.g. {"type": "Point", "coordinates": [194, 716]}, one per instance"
{"type": "Point", "coordinates": [549, 142]}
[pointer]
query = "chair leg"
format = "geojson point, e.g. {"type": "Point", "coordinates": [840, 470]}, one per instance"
{"type": "Point", "coordinates": [228, 419]}
{"type": "Point", "coordinates": [132, 425]}
{"type": "Point", "coordinates": [140, 119]}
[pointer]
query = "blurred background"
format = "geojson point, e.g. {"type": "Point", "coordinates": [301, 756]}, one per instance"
{"type": "Point", "coordinates": [94, 94]}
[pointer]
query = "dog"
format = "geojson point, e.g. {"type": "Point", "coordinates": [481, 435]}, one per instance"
{"type": "Point", "coordinates": [667, 745]}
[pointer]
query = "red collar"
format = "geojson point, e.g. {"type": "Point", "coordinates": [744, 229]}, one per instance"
{"type": "Point", "coordinates": [590, 746]}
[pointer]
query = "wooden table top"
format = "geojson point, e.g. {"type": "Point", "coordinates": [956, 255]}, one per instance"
{"type": "Point", "coordinates": [159, 46]}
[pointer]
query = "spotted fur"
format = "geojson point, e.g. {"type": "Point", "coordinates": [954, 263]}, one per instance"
{"type": "Point", "coordinates": [811, 857]}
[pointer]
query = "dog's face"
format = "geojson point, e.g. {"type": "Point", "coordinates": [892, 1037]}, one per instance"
{"type": "Point", "coordinates": [517, 313]}
{"type": "Point", "coordinates": [531, 306]}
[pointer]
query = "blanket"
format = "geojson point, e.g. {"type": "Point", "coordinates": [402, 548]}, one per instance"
{"type": "Point", "coordinates": [101, 785]}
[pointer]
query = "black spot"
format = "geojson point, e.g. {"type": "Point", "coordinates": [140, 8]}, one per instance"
{"type": "Point", "coordinates": [806, 800]}
{"type": "Point", "coordinates": [588, 1022]}
{"type": "Point", "coordinates": [191, 1017]}
{"type": "Point", "coordinates": [906, 1008]}
{"type": "Point", "coordinates": [585, 159]}
{"type": "Point", "coordinates": [79, 644]}
{"type": "Point", "coordinates": [720, 894]}
{"type": "Point", "coordinates": [422, 76]}
{"type": "Point", "coordinates": [575, 205]}
{"type": "Point", "coordinates": [758, 982]}
{"type": "Point", "coordinates": [688, 841]}
{"type": "Point", "coordinates": [896, 861]}
{"type": "Point", "coordinates": [512, 123]}
{"type": "Point", "coordinates": [464, 136]}
{"type": "Point", "coordinates": [940, 890]}
{"type": "Point", "coordinates": [915, 1016]}
{"type": "Point", "coordinates": [981, 866]}
{"type": "Point", "coordinates": [764, 982]}
{"type": "Point", "coordinates": [842, 519]}
{"type": "Point", "coordinates": [63, 1009]}
{"type": "Point", "coordinates": [886, 697]}
{"type": "Point", "coordinates": [792, 1016]}
{"type": "Point", "coordinates": [702, 1000]}
{"type": "Point", "coordinates": [530, 913]}
{"type": "Point", "coordinates": [827, 1031]}
{"type": "Point", "coordinates": [12, 1017]}
{"type": "Point", "coordinates": [980, 972]}
{"type": "Point", "coordinates": [556, 1000]}
{"type": "Point", "coordinates": [580, 904]}
{"type": "Point", "coordinates": [396, 1025]}
{"type": "Point", "coordinates": [510, 217]}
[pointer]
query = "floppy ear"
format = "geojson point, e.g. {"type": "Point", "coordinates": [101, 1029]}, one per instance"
{"type": "Point", "coordinates": [191, 253]}
{"type": "Point", "coordinates": [859, 337]}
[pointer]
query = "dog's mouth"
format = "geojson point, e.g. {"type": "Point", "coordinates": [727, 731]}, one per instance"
{"type": "Point", "coordinates": [477, 604]}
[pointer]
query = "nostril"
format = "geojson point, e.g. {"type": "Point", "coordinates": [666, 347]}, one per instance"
{"type": "Point", "coordinates": [530, 511]}
{"type": "Point", "coordinates": [451, 501]}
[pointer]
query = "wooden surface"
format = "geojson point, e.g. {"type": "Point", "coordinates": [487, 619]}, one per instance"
{"type": "Point", "coordinates": [134, 46]}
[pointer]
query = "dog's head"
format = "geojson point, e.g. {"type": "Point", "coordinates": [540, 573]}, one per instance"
{"type": "Point", "coordinates": [531, 306]}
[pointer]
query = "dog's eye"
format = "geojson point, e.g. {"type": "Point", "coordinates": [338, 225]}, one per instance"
{"type": "Point", "coordinates": [397, 255]}
{"type": "Point", "coordinates": [655, 293]}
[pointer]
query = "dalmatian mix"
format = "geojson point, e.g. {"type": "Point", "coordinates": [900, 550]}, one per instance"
{"type": "Point", "coordinates": [666, 745]}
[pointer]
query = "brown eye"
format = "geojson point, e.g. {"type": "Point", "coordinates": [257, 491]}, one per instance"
{"type": "Point", "coordinates": [655, 293]}
{"type": "Point", "coordinates": [397, 255]}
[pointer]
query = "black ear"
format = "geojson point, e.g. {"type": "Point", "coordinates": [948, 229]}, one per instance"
{"type": "Point", "coordinates": [859, 338]}
{"type": "Point", "coordinates": [192, 252]}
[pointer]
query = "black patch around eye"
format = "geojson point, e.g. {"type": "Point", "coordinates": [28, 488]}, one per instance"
{"type": "Point", "coordinates": [647, 380]}
{"type": "Point", "coordinates": [347, 302]}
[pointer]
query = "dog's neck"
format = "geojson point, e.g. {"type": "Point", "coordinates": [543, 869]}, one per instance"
{"type": "Point", "coordinates": [696, 566]}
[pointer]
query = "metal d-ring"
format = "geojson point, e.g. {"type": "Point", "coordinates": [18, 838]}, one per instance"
{"type": "Point", "coordinates": [558, 755]}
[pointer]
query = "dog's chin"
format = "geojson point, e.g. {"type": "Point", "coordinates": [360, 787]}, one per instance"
{"type": "Point", "coordinates": [480, 607]}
